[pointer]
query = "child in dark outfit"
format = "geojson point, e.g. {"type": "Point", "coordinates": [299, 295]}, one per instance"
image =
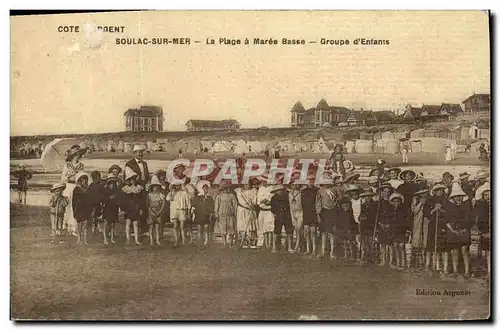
{"type": "Point", "coordinates": [345, 229]}
{"type": "Point", "coordinates": [82, 210]}
{"type": "Point", "coordinates": [436, 241]}
{"type": "Point", "coordinates": [95, 193]}
{"type": "Point", "coordinates": [22, 176]}
{"type": "Point", "coordinates": [369, 208]}
{"type": "Point", "coordinates": [400, 224]}
{"type": "Point", "coordinates": [280, 208]}
{"type": "Point", "coordinates": [110, 209]}
{"type": "Point", "coordinates": [308, 201]}
{"type": "Point", "coordinates": [383, 224]}
{"type": "Point", "coordinates": [482, 214]}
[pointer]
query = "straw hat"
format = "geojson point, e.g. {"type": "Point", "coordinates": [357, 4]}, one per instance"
{"type": "Point", "coordinates": [372, 172]}
{"type": "Point", "coordinates": [481, 190]}
{"type": "Point", "coordinates": [80, 175]}
{"type": "Point", "coordinates": [131, 175]}
{"type": "Point", "coordinates": [352, 177]}
{"type": "Point", "coordinates": [57, 186]}
{"type": "Point", "coordinates": [463, 175]}
{"type": "Point", "coordinates": [437, 186]}
{"type": "Point", "coordinates": [74, 151]}
{"type": "Point", "coordinates": [353, 187]}
{"type": "Point", "coordinates": [277, 188]}
{"type": "Point", "coordinates": [456, 191]}
{"type": "Point", "coordinates": [367, 193]}
{"type": "Point", "coordinates": [348, 165]}
{"type": "Point", "coordinates": [384, 186]}
{"type": "Point", "coordinates": [396, 195]}
{"type": "Point", "coordinates": [421, 192]}
{"type": "Point", "coordinates": [200, 184]}
{"type": "Point", "coordinates": [372, 179]}
{"type": "Point", "coordinates": [139, 147]}
{"type": "Point", "coordinates": [449, 175]}
{"type": "Point", "coordinates": [482, 175]}
{"type": "Point", "coordinates": [115, 167]}
{"type": "Point", "coordinates": [403, 173]}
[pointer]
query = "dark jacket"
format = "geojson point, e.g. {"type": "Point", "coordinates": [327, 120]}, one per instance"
{"type": "Point", "coordinates": [482, 214]}
{"type": "Point", "coordinates": [135, 167]}
{"type": "Point", "coordinates": [459, 216]}
{"type": "Point", "coordinates": [82, 210]}
{"type": "Point", "coordinates": [280, 206]}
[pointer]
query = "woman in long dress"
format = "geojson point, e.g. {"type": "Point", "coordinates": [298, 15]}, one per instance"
{"type": "Point", "coordinates": [420, 226]}
{"type": "Point", "coordinates": [246, 214]}
{"type": "Point", "coordinates": [265, 221]}
{"type": "Point", "coordinates": [69, 171]}
{"type": "Point", "coordinates": [225, 213]}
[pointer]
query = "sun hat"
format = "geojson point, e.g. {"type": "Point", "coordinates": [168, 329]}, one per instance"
{"type": "Point", "coordinates": [396, 195]}
{"type": "Point", "coordinates": [372, 172]}
{"type": "Point", "coordinates": [22, 166]}
{"type": "Point", "coordinates": [372, 179]}
{"type": "Point", "coordinates": [437, 186]}
{"type": "Point", "coordinates": [139, 147]}
{"type": "Point", "coordinates": [456, 191]}
{"type": "Point", "coordinates": [79, 175]}
{"type": "Point", "coordinates": [351, 177]}
{"type": "Point", "coordinates": [463, 175]}
{"type": "Point", "coordinates": [402, 174]}
{"type": "Point", "coordinates": [422, 191]}
{"type": "Point", "coordinates": [367, 193]}
{"type": "Point", "coordinates": [449, 175]}
{"type": "Point", "coordinates": [277, 188]}
{"type": "Point", "coordinates": [482, 175]}
{"type": "Point", "coordinates": [353, 187]}
{"type": "Point", "coordinates": [74, 151]}
{"type": "Point", "coordinates": [56, 186]}
{"type": "Point", "coordinates": [384, 186]}
{"type": "Point", "coordinates": [481, 190]}
{"type": "Point", "coordinates": [131, 175]}
{"type": "Point", "coordinates": [115, 167]}
{"type": "Point", "coordinates": [348, 165]}
{"type": "Point", "coordinates": [200, 184]}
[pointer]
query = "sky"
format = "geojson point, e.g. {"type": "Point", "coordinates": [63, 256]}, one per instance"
{"type": "Point", "coordinates": [83, 82]}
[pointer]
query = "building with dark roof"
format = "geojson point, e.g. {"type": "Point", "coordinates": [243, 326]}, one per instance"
{"type": "Point", "coordinates": [477, 103]}
{"type": "Point", "coordinates": [212, 125]}
{"type": "Point", "coordinates": [319, 116]}
{"type": "Point", "coordinates": [145, 119]}
{"type": "Point", "coordinates": [430, 112]}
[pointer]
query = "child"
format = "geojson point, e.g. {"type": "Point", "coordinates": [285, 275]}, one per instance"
{"type": "Point", "coordinates": [155, 204]}
{"type": "Point", "coordinates": [383, 223]}
{"type": "Point", "coordinates": [459, 222]}
{"type": "Point", "coordinates": [399, 224]}
{"type": "Point", "coordinates": [131, 202]}
{"type": "Point", "coordinates": [81, 206]}
{"type": "Point", "coordinates": [393, 176]}
{"type": "Point", "coordinates": [58, 204]}
{"type": "Point", "coordinates": [344, 227]}
{"type": "Point", "coordinates": [179, 208]}
{"type": "Point", "coordinates": [297, 214]}
{"type": "Point", "coordinates": [420, 230]}
{"type": "Point", "coordinates": [110, 208]}
{"type": "Point", "coordinates": [95, 194]}
{"type": "Point", "coordinates": [22, 176]}
{"type": "Point", "coordinates": [326, 203]}
{"type": "Point", "coordinates": [308, 201]}
{"type": "Point", "coordinates": [367, 217]}
{"type": "Point", "coordinates": [280, 208]}
{"type": "Point", "coordinates": [482, 213]}
{"type": "Point", "coordinates": [352, 191]}
{"type": "Point", "coordinates": [265, 218]}
{"type": "Point", "coordinates": [225, 213]}
{"type": "Point", "coordinates": [246, 214]}
{"type": "Point", "coordinates": [436, 239]}
{"type": "Point", "coordinates": [203, 212]}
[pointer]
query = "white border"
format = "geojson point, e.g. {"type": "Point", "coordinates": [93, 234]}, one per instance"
{"type": "Point", "coordinates": [213, 4]}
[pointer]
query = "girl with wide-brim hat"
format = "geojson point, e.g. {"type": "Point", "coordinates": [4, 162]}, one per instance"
{"type": "Point", "coordinates": [225, 210]}
{"type": "Point", "coordinates": [403, 175]}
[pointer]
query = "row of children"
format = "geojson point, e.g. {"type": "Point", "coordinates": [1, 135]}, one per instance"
{"type": "Point", "coordinates": [397, 207]}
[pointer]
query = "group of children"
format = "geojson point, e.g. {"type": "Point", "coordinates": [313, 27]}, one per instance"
{"type": "Point", "coordinates": [398, 208]}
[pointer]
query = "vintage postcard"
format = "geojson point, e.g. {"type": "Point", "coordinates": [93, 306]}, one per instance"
{"type": "Point", "coordinates": [250, 165]}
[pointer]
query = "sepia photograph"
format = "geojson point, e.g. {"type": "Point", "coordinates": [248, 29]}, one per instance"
{"type": "Point", "coordinates": [250, 165]}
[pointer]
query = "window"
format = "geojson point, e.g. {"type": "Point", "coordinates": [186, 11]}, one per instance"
{"type": "Point", "coordinates": [336, 117]}
{"type": "Point", "coordinates": [317, 116]}
{"type": "Point", "coordinates": [153, 122]}
{"type": "Point", "coordinates": [293, 117]}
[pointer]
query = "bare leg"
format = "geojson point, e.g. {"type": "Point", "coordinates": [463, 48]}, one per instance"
{"type": "Point", "coordinates": [446, 261]}
{"type": "Point", "coordinates": [391, 255]}
{"type": "Point", "coordinates": [183, 232]}
{"type": "Point", "coordinates": [79, 228]}
{"type": "Point", "coordinates": [151, 238]}
{"type": "Point", "coordinates": [323, 245]}
{"type": "Point", "coordinates": [299, 231]}
{"type": "Point", "coordinates": [454, 260]}
{"type": "Point", "coordinates": [427, 261]}
{"type": "Point", "coordinates": [332, 247]}
{"type": "Point", "coordinates": [201, 233]}
{"type": "Point", "coordinates": [207, 234]}
{"type": "Point", "coordinates": [136, 232]}
{"type": "Point", "coordinates": [289, 239]}
{"type": "Point", "coordinates": [127, 231]}
{"type": "Point", "coordinates": [112, 232]}
{"type": "Point", "coordinates": [176, 231]}
{"type": "Point", "coordinates": [275, 243]}
{"type": "Point", "coordinates": [465, 256]}
{"type": "Point", "coordinates": [382, 255]}
{"type": "Point", "coordinates": [488, 260]}
{"type": "Point", "coordinates": [104, 232]}
{"type": "Point", "coordinates": [313, 239]}
{"type": "Point", "coordinates": [85, 232]}
{"type": "Point", "coordinates": [225, 240]}
{"type": "Point", "coordinates": [157, 232]}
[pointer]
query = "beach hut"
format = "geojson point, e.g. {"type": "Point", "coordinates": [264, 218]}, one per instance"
{"type": "Point", "coordinates": [388, 135]}
{"type": "Point", "coordinates": [364, 146]}
{"type": "Point", "coordinates": [350, 147]}
{"type": "Point", "coordinates": [391, 146]}
{"type": "Point", "coordinates": [434, 145]}
{"type": "Point", "coordinates": [128, 147]}
{"type": "Point", "coordinates": [222, 146]}
{"type": "Point", "coordinates": [416, 145]}
{"type": "Point", "coordinates": [207, 144]}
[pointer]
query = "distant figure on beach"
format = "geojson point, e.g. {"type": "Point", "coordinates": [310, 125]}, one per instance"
{"type": "Point", "coordinates": [180, 156]}
{"type": "Point", "coordinates": [448, 157]}
{"type": "Point", "coordinates": [483, 153]}
{"type": "Point", "coordinates": [22, 176]}
{"type": "Point", "coordinates": [404, 153]}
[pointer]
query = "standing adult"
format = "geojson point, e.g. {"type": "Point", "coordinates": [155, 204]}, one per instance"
{"type": "Point", "coordinates": [68, 176]}
{"type": "Point", "coordinates": [140, 167]}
